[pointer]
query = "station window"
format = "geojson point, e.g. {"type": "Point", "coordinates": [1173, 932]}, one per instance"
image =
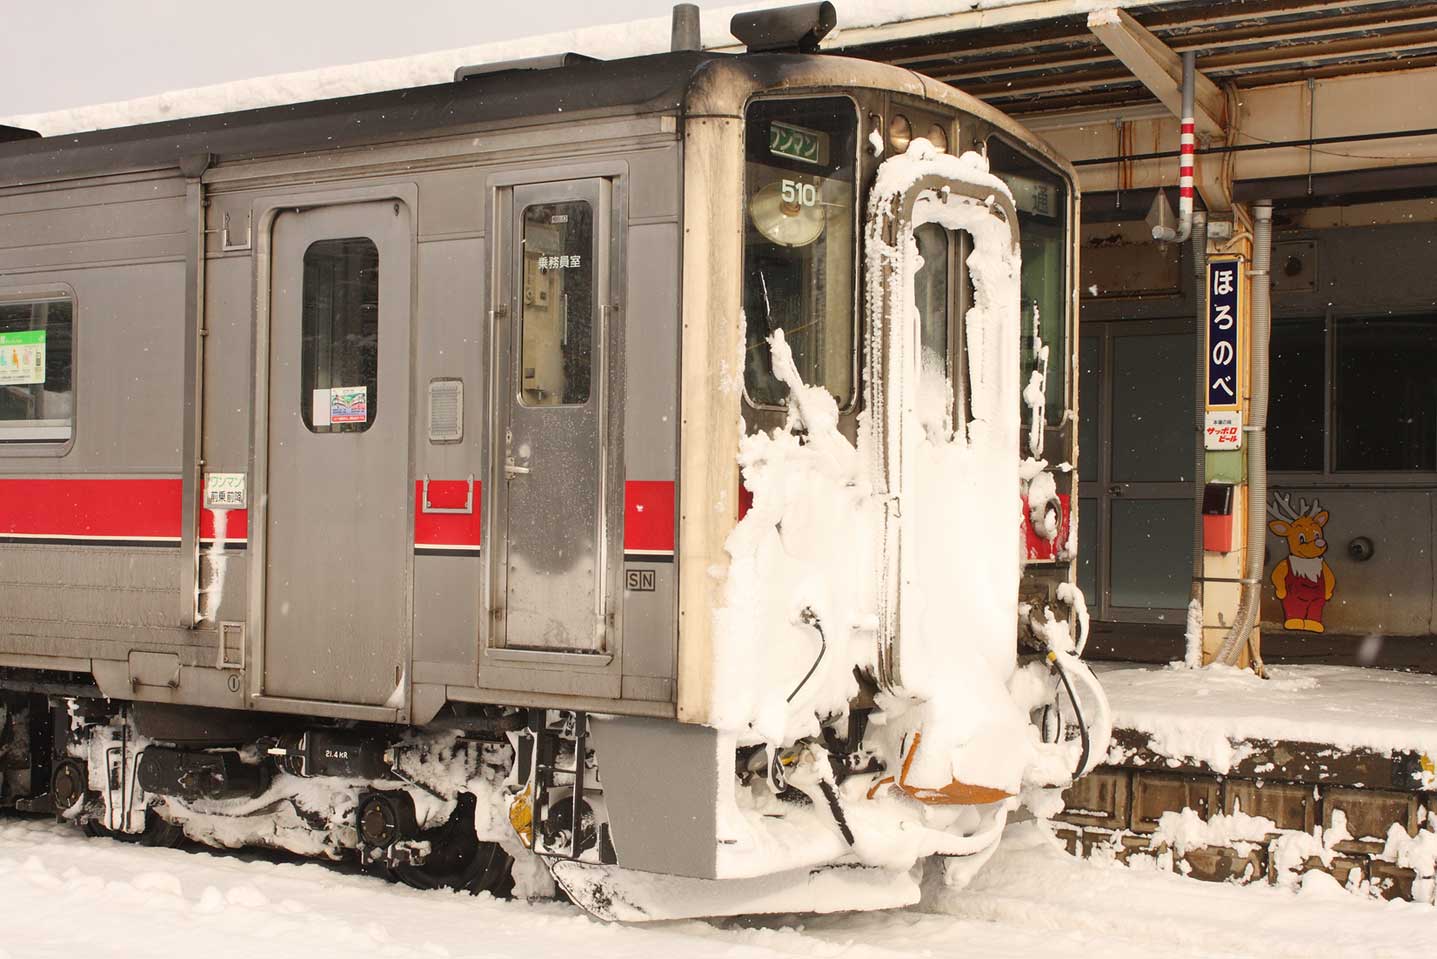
{"type": "Point", "coordinates": [1296, 409]}
{"type": "Point", "coordinates": [339, 363]}
{"type": "Point", "coordinates": [37, 399]}
{"type": "Point", "coordinates": [799, 243]}
{"type": "Point", "coordinates": [557, 328]}
{"type": "Point", "coordinates": [1384, 394]}
{"type": "Point", "coordinates": [1041, 197]}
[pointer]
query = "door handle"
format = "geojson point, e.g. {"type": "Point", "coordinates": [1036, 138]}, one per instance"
{"type": "Point", "coordinates": [1117, 489]}
{"type": "Point", "coordinates": [512, 469]}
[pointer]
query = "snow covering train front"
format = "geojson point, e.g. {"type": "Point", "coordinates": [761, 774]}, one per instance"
{"type": "Point", "coordinates": [771, 350]}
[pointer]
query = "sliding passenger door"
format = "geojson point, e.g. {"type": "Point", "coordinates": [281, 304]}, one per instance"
{"type": "Point", "coordinates": [336, 516]}
{"type": "Point", "coordinates": [551, 595]}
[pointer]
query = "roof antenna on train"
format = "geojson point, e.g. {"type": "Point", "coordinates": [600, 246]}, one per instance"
{"type": "Point", "coordinates": [795, 29]}
{"type": "Point", "coordinates": [686, 34]}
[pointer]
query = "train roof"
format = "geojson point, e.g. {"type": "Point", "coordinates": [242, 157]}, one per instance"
{"type": "Point", "coordinates": [646, 84]}
{"type": "Point", "coordinates": [693, 81]}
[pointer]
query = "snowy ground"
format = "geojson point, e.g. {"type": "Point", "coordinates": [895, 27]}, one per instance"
{"type": "Point", "coordinates": [62, 894]}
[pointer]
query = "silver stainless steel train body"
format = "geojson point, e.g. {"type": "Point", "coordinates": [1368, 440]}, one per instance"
{"type": "Point", "coordinates": [407, 420]}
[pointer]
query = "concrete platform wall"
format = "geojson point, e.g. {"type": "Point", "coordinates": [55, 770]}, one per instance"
{"type": "Point", "coordinates": [1120, 812]}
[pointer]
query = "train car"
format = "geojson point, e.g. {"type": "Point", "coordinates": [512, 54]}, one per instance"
{"type": "Point", "coordinates": [606, 467]}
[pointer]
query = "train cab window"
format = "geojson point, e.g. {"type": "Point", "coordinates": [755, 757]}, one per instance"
{"type": "Point", "coordinates": [1041, 197]}
{"type": "Point", "coordinates": [1385, 396]}
{"type": "Point", "coordinates": [557, 326]}
{"type": "Point", "coordinates": [339, 363]}
{"type": "Point", "coordinates": [37, 371]}
{"type": "Point", "coordinates": [799, 243]}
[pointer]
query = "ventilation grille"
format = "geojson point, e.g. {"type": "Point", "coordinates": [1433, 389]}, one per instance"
{"type": "Point", "coordinates": [446, 411]}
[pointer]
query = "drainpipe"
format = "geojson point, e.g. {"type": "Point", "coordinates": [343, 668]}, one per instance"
{"type": "Point", "coordinates": [1185, 161]}
{"type": "Point", "coordinates": [1199, 257]}
{"type": "Point", "coordinates": [1256, 437]}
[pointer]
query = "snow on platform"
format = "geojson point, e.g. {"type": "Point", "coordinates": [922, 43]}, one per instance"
{"type": "Point", "coordinates": [1204, 714]}
{"type": "Point", "coordinates": [64, 895]}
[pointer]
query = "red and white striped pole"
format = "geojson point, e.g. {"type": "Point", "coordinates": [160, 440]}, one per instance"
{"type": "Point", "coordinates": [1189, 145]}
{"type": "Point", "coordinates": [1185, 162]}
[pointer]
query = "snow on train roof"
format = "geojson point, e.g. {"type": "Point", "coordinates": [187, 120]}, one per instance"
{"type": "Point", "coordinates": [860, 21]}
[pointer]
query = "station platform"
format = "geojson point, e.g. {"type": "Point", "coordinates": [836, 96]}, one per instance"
{"type": "Point", "coordinates": [1160, 644]}
{"type": "Point", "coordinates": [1222, 775]}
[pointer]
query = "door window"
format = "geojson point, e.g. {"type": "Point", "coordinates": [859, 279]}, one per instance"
{"type": "Point", "coordinates": [557, 325]}
{"type": "Point", "coordinates": [339, 344]}
{"type": "Point", "coordinates": [1152, 408]}
{"type": "Point", "coordinates": [930, 290]}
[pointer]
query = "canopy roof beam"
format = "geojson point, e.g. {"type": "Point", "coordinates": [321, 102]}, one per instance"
{"type": "Point", "coordinates": [1158, 67]}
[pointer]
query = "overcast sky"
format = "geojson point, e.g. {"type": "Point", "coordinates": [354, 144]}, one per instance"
{"type": "Point", "coordinates": [65, 53]}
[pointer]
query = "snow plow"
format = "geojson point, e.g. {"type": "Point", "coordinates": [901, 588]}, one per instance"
{"type": "Point", "coordinates": [679, 566]}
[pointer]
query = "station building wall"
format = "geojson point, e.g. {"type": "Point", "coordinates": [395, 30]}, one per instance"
{"type": "Point", "coordinates": [1352, 422]}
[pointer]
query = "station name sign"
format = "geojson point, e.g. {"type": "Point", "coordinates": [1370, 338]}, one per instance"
{"type": "Point", "coordinates": [1223, 420]}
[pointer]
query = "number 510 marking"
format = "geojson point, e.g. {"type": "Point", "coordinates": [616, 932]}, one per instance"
{"type": "Point", "coordinates": [796, 191]}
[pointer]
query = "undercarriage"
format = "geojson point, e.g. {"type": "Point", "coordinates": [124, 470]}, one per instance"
{"type": "Point", "coordinates": [512, 801]}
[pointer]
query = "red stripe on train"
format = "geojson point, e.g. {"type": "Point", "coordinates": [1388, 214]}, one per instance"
{"type": "Point", "coordinates": [454, 530]}
{"type": "Point", "coordinates": [149, 509]}
{"type": "Point", "coordinates": [649, 516]}
{"type": "Point", "coordinates": [236, 525]}
{"type": "Point", "coordinates": [103, 509]}
{"type": "Point", "coordinates": [90, 508]}
{"type": "Point", "coordinates": [1044, 550]}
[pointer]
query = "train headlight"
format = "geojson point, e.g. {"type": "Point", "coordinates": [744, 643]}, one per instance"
{"type": "Point", "coordinates": [788, 212]}
{"type": "Point", "coordinates": [900, 133]}
{"type": "Point", "coordinates": [938, 137]}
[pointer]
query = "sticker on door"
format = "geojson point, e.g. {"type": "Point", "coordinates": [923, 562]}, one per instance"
{"type": "Point", "coordinates": [341, 404]}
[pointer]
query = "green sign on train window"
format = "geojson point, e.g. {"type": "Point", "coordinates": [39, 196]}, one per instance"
{"type": "Point", "coordinates": [22, 357]}
{"type": "Point", "coordinates": [796, 143]}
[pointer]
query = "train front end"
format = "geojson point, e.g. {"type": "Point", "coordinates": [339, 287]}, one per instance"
{"type": "Point", "coordinates": [879, 628]}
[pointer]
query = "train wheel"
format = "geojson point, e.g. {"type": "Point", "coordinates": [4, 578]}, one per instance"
{"type": "Point", "coordinates": [157, 832]}
{"type": "Point", "coordinates": [459, 860]}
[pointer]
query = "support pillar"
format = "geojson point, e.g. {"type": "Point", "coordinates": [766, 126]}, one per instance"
{"type": "Point", "coordinates": [1226, 439]}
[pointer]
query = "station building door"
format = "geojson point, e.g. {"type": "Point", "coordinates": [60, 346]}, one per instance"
{"type": "Point", "coordinates": [1136, 469]}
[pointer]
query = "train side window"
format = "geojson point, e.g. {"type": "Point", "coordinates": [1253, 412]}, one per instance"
{"type": "Point", "coordinates": [1041, 196]}
{"type": "Point", "coordinates": [37, 371]}
{"type": "Point", "coordinates": [339, 362]}
{"type": "Point", "coordinates": [557, 328]}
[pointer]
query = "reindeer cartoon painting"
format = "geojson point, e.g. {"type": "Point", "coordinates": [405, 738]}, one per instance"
{"type": "Point", "coordinates": [1304, 582]}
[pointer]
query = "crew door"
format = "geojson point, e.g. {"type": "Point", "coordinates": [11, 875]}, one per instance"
{"type": "Point", "coordinates": [337, 556]}
{"type": "Point", "coordinates": [551, 575]}
{"type": "Point", "coordinates": [947, 328]}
